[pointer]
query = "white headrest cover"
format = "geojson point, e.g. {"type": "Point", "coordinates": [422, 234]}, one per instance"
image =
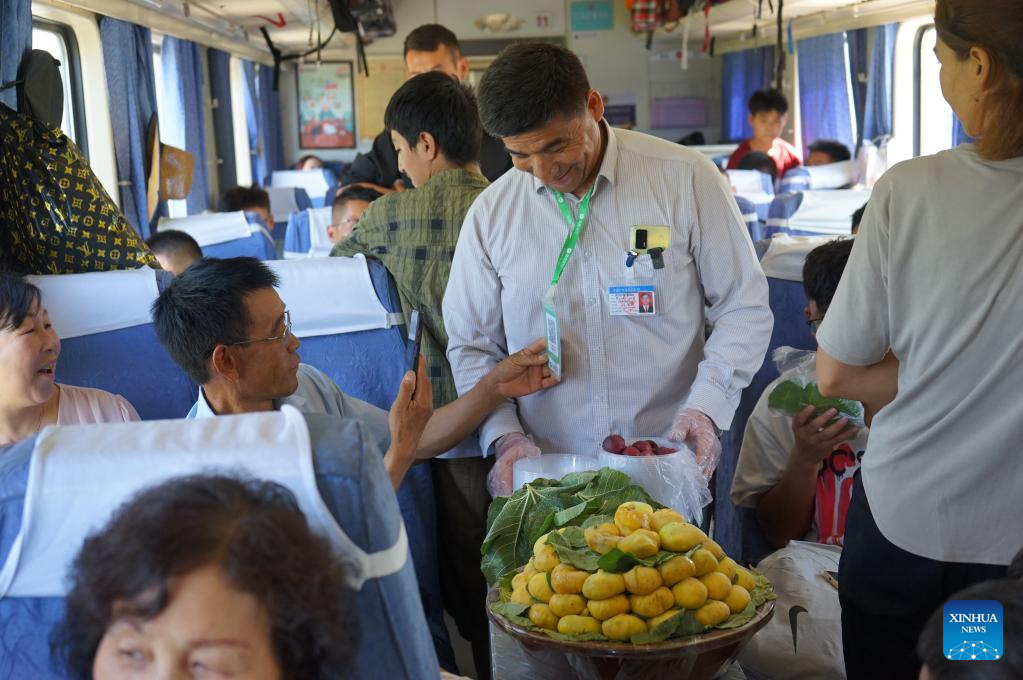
{"type": "Point", "coordinates": [96, 302]}
{"type": "Point", "coordinates": [786, 255]}
{"type": "Point", "coordinates": [313, 181]}
{"type": "Point", "coordinates": [319, 242]}
{"type": "Point", "coordinates": [330, 295]}
{"type": "Point", "coordinates": [750, 185]}
{"type": "Point", "coordinates": [828, 212]}
{"type": "Point", "coordinates": [833, 175]}
{"type": "Point", "coordinates": [210, 228]}
{"type": "Point", "coordinates": [282, 202]}
{"type": "Point", "coordinates": [115, 461]}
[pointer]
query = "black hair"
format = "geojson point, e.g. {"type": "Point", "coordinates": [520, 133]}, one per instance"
{"type": "Point", "coordinates": [354, 193]}
{"type": "Point", "coordinates": [245, 198]}
{"type": "Point", "coordinates": [253, 530]}
{"type": "Point", "coordinates": [931, 648]}
{"type": "Point", "coordinates": [763, 101]}
{"type": "Point", "coordinates": [17, 298]}
{"type": "Point", "coordinates": [835, 149]}
{"type": "Point", "coordinates": [823, 270]}
{"type": "Point", "coordinates": [437, 103]}
{"type": "Point", "coordinates": [759, 160]}
{"type": "Point", "coordinates": [428, 37]}
{"type": "Point", "coordinates": [528, 86]}
{"type": "Point", "coordinates": [205, 307]}
{"type": "Point", "coordinates": [857, 217]}
{"type": "Point", "coordinates": [174, 241]}
{"type": "Point", "coordinates": [308, 157]}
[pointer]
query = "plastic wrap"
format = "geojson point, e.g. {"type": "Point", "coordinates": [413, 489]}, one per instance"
{"type": "Point", "coordinates": [797, 388]}
{"type": "Point", "coordinates": [673, 479]}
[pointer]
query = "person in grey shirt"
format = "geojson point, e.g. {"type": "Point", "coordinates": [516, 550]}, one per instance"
{"type": "Point", "coordinates": [649, 374]}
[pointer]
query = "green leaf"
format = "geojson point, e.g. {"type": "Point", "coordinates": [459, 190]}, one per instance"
{"type": "Point", "coordinates": [567, 515]}
{"type": "Point", "coordinates": [516, 613]}
{"type": "Point", "coordinates": [787, 396]}
{"type": "Point", "coordinates": [594, 520]}
{"type": "Point", "coordinates": [680, 625]}
{"type": "Point", "coordinates": [618, 561]}
{"type": "Point", "coordinates": [572, 549]}
{"type": "Point", "coordinates": [791, 397]}
{"type": "Point", "coordinates": [505, 585]}
{"type": "Point", "coordinates": [762, 589]}
{"type": "Point", "coordinates": [740, 619]}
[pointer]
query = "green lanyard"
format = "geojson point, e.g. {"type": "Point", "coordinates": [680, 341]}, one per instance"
{"type": "Point", "coordinates": [575, 226]}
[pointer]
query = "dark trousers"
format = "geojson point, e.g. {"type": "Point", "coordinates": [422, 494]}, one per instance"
{"type": "Point", "coordinates": [887, 595]}
{"type": "Point", "coordinates": [462, 502]}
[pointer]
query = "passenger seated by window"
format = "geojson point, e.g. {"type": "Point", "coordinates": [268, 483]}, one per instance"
{"type": "Point", "coordinates": [175, 250]}
{"type": "Point", "coordinates": [197, 576]}
{"type": "Point", "coordinates": [228, 329]}
{"type": "Point", "coordinates": [797, 472]}
{"type": "Point", "coordinates": [758, 160]}
{"type": "Point", "coordinates": [826, 151]}
{"type": "Point", "coordinates": [309, 162]}
{"type": "Point", "coordinates": [30, 397]}
{"type": "Point", "coordinates": [349, 204]}
{"type": "Point", "coordinates": [768, 113]}
{"type": "Point", "coordinates": [857, 217]}
{"type": "Point", "coordinates": [249, 199]}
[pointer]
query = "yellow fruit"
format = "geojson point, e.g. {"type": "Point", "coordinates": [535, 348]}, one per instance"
{"type": "Point", "coordinates": [539, 588]}
{"type": "Point", "coordinates": [529, 569]}
{"type": "Point", "coordinates": [542, 616]}
{"type": "Point", "coordinates": [521, 596]}
{"type": "Point", "coordinates": [601, 539]}
{"type": "Point", "coordinates": [679, 537]}
{"type": "Point", "coordinates": [642, 580]}
{"type": "Point", "coordinates": [676, 569]}
{"type": "Point", "coordinates": [737, 599]}
{"type": "Point", "coordinates": [658, 620]}
{"type": "Point", "coordinates": [547, 559]}
{"type": "Point", "coordinates": [602, 585]}
{"type": "Point", "coordinates": [539, 545]}
{"type": "Point", "coordinates": [654, 604]}
{"type": "Point", "coordinates": [578, 625]}
{"type": "Point", "coordinates": [564, 605]}
{"type": "Point", "coordinates": [665, 516]}
{"type": "Point", "coordinates": [519, 580]}
{"type": "Point", "coordinates": [623, 627]}
{"type": "Point", "coordinates": [567, 580]}
{"type": "Point", "coordinates": [689, 594]}
{"type": "Point", "coordinates": [715, 549]}
{"type": "Point", "coordinates": [713, 613]}
{"type": "Point", "coordinates": [641, 543]}
{"type": "Point", "coordinates": [745, 579]}
{"type": "Point", "coordinates": [718, 585]}
{"type": "Point", "coordinates": [631, 516]}
{"type": "Point", "coordinates": [727, 567]}
{"type": "Point", "coordinates": [704, 561]}
{"type": "Point", "coordinates": [603, 610]}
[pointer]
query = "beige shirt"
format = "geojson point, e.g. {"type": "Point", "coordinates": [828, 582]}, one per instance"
{"type": "Point", "coordinates": [86, 405]}
{"type": "Point", "coordinates": [937, 274]}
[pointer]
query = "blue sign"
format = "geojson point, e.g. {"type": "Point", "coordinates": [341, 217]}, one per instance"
{"type": "Point", "coordinates": [972, 630]}
{"type": "Point", "coordinates": [593, 15]}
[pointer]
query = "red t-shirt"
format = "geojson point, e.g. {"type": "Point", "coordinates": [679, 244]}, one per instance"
{"type": "Point", "coordinates": [784, 154]}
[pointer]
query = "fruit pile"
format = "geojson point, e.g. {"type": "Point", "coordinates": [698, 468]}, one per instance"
{"type": "Point", "coordinates": [615, 443]}
{"type": "Point", "coordinates": [641, 577]}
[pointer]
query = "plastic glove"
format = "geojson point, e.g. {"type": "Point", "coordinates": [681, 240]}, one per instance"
{"type": "Point", "coordinates": [508, 449]}
{"type": "Point", "coordinates": [697, 430]}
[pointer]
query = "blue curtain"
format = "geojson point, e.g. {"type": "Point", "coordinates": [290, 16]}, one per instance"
{"type": "Point", "coordinates": [744, 73]}
{"type": "Point", "coordinates": [16, 27]}
{"type": "Point", "coordinates": [959, 135]}
{"type": "Point", "coordinates": [182, 116]}
{"type": "Point", "coordinates": [824, 90]}
{"type": "Point", "coordinates": [128, 63]}
{"type": "Point", "coordinates": [270, 100]}
{"type": "Point", "coordinates": [877, 119]}
{"type": "Point", "coordinates": [223, 125]}
{"type": "Point", "coordinates": [858, 69]}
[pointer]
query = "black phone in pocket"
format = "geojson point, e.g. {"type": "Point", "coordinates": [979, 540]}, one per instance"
{"type": "Point", "coordinates": [415, 340]}
{"type": "Point", "coordinates": [641, 239]}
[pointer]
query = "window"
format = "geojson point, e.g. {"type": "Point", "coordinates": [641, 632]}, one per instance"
{"type": "Point", "coordinates": [934, 117]}
{"type": "Point", "coordinates": [176, 208]}
{"type": "Point", "coordinates": [60, 42]}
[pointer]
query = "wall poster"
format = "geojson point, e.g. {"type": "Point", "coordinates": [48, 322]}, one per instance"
{"type": "Point", "coordinates": [326, 118]}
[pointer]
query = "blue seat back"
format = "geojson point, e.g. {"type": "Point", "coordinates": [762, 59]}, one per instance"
{"type": "Point", "coordinates": [283, 202]}
{"type": "Point", "coordinates": [257, 245]}
{"type": "Point", "coordinates": [394, 640]}
{"type": "Point", "coordinates": [755, 186]}
{"type": "Point", "coordinates": [814, 213]}
{"type": "Point", "coordinates": [314, 182]}
{"type": "Point", "coordinates": [750, 217]}
{"type": "Point", "coordinates": [300, 240]}
{"type": "Point", "coordinates": [796, 179]}
{"type": "Point", "coordinates": [127, 361]}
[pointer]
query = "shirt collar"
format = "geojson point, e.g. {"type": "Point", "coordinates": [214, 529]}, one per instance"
{"type": "Point", "coordinates": [455, 177]}
{"type": "Point", "coordinates": [204, 410]}
{"type": "Point", "coordinates": [608, 166]}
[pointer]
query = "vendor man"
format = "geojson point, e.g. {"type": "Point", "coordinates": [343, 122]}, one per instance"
{"type": "Point", "coordinates": [604, 213]}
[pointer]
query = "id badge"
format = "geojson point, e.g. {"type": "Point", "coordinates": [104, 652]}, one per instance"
{"type": "Point", "coordinates": [553, 330]}
{"type": "Point", "coordinates": [638, 298]}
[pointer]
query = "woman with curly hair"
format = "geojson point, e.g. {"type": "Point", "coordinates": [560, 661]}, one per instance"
{"type": "Point", "coordinates": [207, 577]}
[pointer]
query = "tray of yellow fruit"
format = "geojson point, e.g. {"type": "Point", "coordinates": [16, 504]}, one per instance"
{"type": "Point", "coordinates": [609, 583]}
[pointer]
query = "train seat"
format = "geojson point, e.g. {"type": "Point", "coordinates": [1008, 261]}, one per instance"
{"type": "Point", "coordinates": [283, 202]}
{"type": "Point", "coordinates": [815, 213]}
{"type": "Point", "coordinates": [748, 210]}
{"type": "Point", "coordinates": [315, 183]}
{"type": "Point", "coordinates": [756, 186]}
{"type": "Point", "coordinates": [229, 234]}
{"type": "Point", "coordinates": [306, 235]}
{"type": "Point", "coordinates": [820, 177]}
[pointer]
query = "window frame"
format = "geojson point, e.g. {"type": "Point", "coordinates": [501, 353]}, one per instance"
{"type": "Point", "coordinates": [918, 42]}
{"type": "Point", "coordinates": [74, 70]}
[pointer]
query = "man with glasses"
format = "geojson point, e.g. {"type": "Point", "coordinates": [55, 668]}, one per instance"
{"type": "Point", "coordinates": [228, 329]}
{"type": "Point", "coordinates": [349, 204]}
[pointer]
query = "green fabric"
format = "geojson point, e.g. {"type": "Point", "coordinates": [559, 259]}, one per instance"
{"type": "Point", "coordinates": [414, 233]}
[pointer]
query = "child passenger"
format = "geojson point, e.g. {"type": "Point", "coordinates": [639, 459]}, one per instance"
{"type": "Point", "coordinates": [768, 113]}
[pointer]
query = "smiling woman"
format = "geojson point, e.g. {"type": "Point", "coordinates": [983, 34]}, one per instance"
{"type": "Point", "coordinates": [30, 397]}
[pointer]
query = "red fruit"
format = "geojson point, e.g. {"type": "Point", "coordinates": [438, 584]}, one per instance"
{"type": "Point", "coordinates": [653, 445]}
{"type": "Point", "coordinates": [631, 451]}
{"type": "Point", "coordinates": [665, 450]}
{"type": "Point", "coordinates": [643, 445]}
{"type": "Point", "coordinates": [614, 443]}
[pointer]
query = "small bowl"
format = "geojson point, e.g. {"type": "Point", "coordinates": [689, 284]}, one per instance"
{"type": "Point", "coordinates": [550, 466]}
{"type": "Point", "coordinates": [653, 473]}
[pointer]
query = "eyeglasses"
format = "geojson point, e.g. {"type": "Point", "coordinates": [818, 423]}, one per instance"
{"type": "Point", "coordinates": [282, 338]}
{"type": "Point", "coordinates": [346, 222]}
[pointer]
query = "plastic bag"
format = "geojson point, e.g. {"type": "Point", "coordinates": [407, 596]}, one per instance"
{"type": "Point", "coordinates": [674, 479]}
{"type": "Point", "coordinates": [797, 388]}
